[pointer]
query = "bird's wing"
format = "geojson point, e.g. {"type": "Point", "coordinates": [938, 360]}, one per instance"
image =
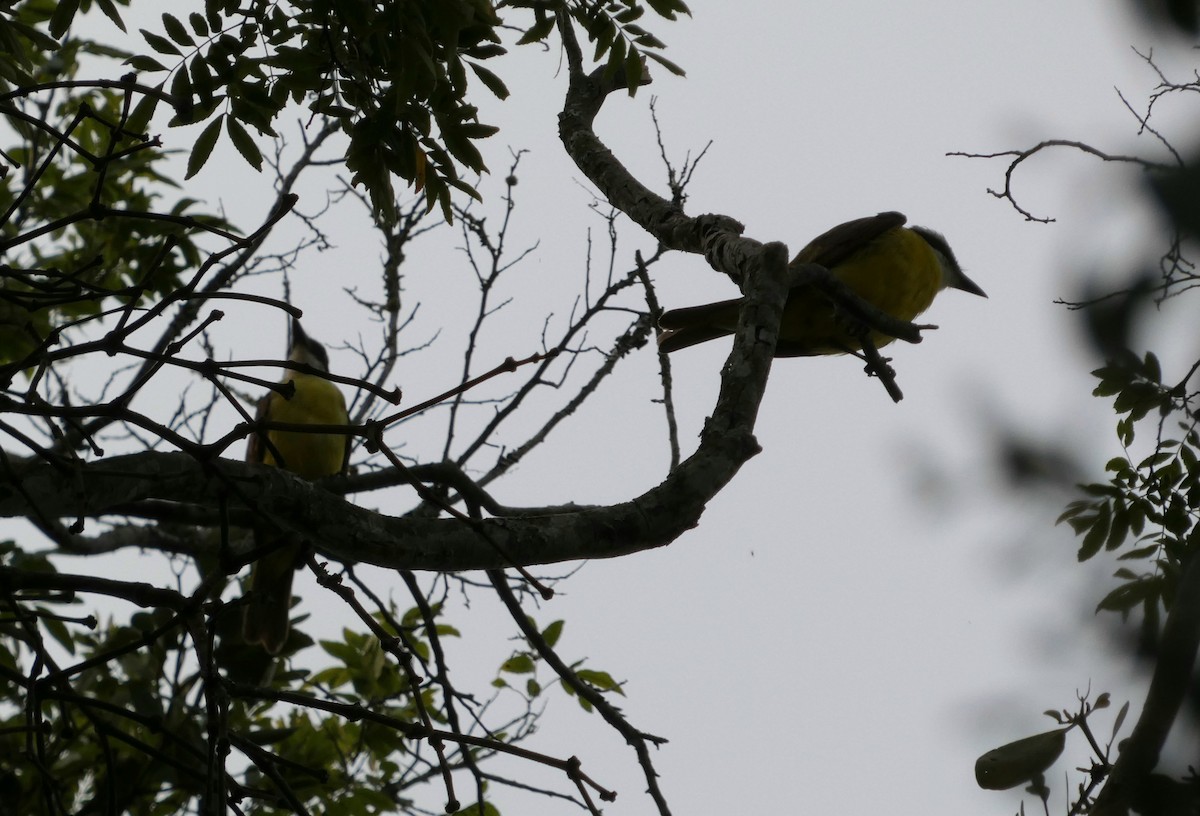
{"type": "Point", "coordinates": [831, 248]}
{"type": "Point", "coordinates": [348, 439]}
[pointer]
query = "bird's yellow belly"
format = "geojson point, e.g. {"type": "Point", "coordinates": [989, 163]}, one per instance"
{"type": "Point", "coordinates": [897, 273]}
{"type": "Point", "coordinates": [310, 455]}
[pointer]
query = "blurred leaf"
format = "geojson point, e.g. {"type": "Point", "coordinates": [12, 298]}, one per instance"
{"type": "Point", "coordinates": [552, 633]}
{"type": "Point", "coordinates": [64, 14]}
{"type": "Point", "coordinates": [1120, 720]}
{"type": "Point", "coordinates": [1127, 596]}
{"type": "Point", "coordinates": [600, 680]}
{"type": "Point", "coordinates": [518, 664]}
{"type": "Point", "coordinates": [1019, 762]}
{"type": "Point", "coordinates": [538, 31]}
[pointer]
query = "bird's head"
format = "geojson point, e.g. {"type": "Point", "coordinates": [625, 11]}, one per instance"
{"type": "Point", "coordinates": [952, 274]}
{"type": "Point", "coordinates": [306, 350]}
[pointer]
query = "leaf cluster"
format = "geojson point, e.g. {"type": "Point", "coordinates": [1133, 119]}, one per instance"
{"type": "Point", "coordinates": [125, 725]}
{"type": "Point", "coordinates": [82, 216]}
{"type": "Point", "coordinates": [620, 41]}
{"type": "Point", "coordinates": [395, 76]}
{"type": "Point", "coordinates": [1147, 510]}
{"type": "Point", "coordinates": [526, 662]}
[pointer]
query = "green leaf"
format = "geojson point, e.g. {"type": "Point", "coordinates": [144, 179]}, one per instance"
{"type": "Point", "coordinates": [159, 43]}
{"type": "Point", "coordinates": [141, 62]}
{"type": "Point", "coordinates": [1120, 719]}
{"type": "Point", "coordinates": [1020, 761]}
{"type": "Point", "coordinates": [181, 93]}
{"type": "Point", "coordinates": [1125, 431]}
{"type": "Point", "coordinates": [1117, 464]}
{"type": "Point", "coordinates": [204, 146]}
{"type": "Point", "coordinates": [601, 680]}
{"type": "Point", "coordinates": [1073, 510]}
{"type": "Point", "coordinates": [604, 33]}
{"type": "Point", "coordinates": [198, 23]}
{"type": "Point", "coordinates": [669, 8]}
{"type": "Point", "coordinates": [244, 144]}
{"type": "Point", "coordinates": [1190, 461]}
{"type": "Point", "coordinates": [176, 31]}
{"type": "Point", "coordinates": [1137, 515]}
{"type": "Point", "coordinates": [37, 38]}
{"type": "Point", "coordinates": [648, 40]}
{"type": "Point", "coordinates": [332, 677]}
{"type": "Point", "coordinates": [1155, 459]}
{"type": "Point", "coordinates": [110, 11]}
{"type": "Point", "coordinates": [518, 664]}
{"type": "Point", "coordinates": [212, 11]}
{"type": "Point", "coordinates": [616, 58]}
{"type": "Point", "coordinates": [59, 631]}
{"type": "Point", "coordinates": [64, 14]}
{"type": "Point", "coordinates": [1118, 530]}
{"type": "Point", "coordinates": [202, 80]}
{"type": "Point", "coordinates": [552, 633]}
{"type": "Point", "coordinates": [538, 31]}
{"type": "Point", "coordinates": [490, 80]}
{"type": "Point", "coordinates": [1138, 399]}
{"type": "Point", "coordinates": [634, 69]}
{"type": "Point", "coordinates": [1096, 535]}
{"type": "Point", "coordinates": [253, 106]}
{"type": "Point", "coordinates": [1151, 370]}
{"type": "Point", "coordinates": [477, 130]}
{"type": "Point", "coordinates": [1177, 519]}
{"type": "Point", "coordinates": [630, 14]}
{"type": "Point", "coordinates": [1137, 555]}
{"type": "Point", "coordinates": [1127, 596]}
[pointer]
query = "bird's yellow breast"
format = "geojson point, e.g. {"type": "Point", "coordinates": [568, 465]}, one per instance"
{"type": "Point", "coordinates": [315, 402]}
{"type": "Point", "coordinates": [898, 273]}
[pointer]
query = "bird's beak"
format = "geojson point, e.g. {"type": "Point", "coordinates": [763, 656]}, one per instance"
{"type": "Point", "coordinates": [968, 285]}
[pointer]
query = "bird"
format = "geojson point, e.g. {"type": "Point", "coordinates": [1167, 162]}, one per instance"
{"type": "Point", "coordinates": [897, 269]}
{"type": "Point", "coordinates": [314, 401]}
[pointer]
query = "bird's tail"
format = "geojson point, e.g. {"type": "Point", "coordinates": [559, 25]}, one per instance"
{"type": "Point", "coordinates": [697, 324]}
{"type": "Point", "coordinates": [267, 615]}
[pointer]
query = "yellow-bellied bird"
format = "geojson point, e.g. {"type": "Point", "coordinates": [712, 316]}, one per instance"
{"type": "Point", "coordinates": [315, 401]}
{"type": "Point", "coordinates": [897, 269]}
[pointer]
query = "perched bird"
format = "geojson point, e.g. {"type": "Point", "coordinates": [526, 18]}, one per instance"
{"type": "Point", "coordinates": [897, 269]}
{"type": "Point", "coordinates": [315, 401]}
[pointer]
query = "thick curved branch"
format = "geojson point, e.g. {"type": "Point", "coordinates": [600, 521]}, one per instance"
{"type": "Point", "coordinates": [717, 236]}
{"type": "Point", "coordinates": [61, 489]}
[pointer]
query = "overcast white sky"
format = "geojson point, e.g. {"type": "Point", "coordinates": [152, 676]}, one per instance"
{"type": "Point", "coordinates": [865, 610]}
